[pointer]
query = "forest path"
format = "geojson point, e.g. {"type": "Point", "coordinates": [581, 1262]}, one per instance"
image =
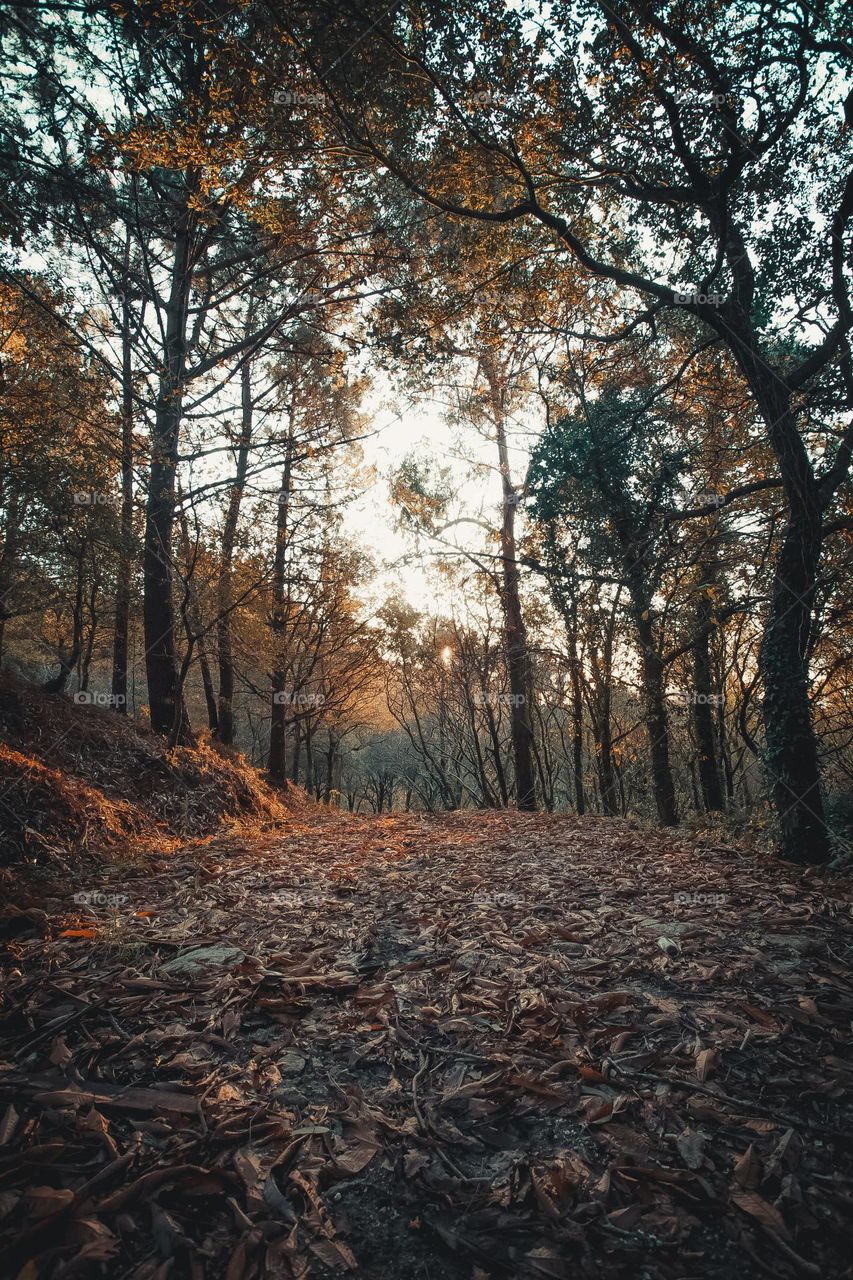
{"type": "Point", "coordinates": [471, 1045]}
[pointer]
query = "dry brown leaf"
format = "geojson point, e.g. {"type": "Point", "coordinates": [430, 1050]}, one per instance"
{"type": "Point", "coordinates": [747, 1169]}
{"type": "Point", "coordinates": [707, 1062]}
{"type": "Point", "coordinates": [764, 1212]}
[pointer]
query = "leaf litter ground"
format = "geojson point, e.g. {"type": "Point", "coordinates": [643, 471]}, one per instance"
{"type": "Point", "coordinates": [469, 1046]}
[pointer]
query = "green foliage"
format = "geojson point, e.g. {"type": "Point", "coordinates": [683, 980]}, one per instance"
{"type": "Point", "coordinates": [606, 474]}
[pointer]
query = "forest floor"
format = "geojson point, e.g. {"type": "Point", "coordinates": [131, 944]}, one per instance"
{"type": "Point", "coordinates": [459, 1047]}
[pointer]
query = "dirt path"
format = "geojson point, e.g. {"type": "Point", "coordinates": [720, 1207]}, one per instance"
{"type": "Point", "coordinates": [470, 1046]}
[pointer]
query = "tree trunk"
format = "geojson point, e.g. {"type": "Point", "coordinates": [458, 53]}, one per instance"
{"type": "Point", "coordinates": [194, 624]}
{"type": "Point", "coordinates": [486, 794]}
{"type": "Point", "coordinates": [121, 624]}
{"type": "Point", "coordinates": [577, 734]}
{"type": "Point", "coordinates": [330, 768]}
{"type": "Point", "coordinates": [297, 754]}
{"type": "Point", "coordinates": [494, 739]}
{"type": "Point", "coordinates": [654, 679]}
{"type": "Point", "coordinates": [604, 743]}
{"type": "Point", "coordinates": [790, 744]}
{"type": "Point", "coordinates": [225, 730]}
{"type": "Point", "coordinates": [165, 701]}
{"type": "Point", "coordinates": [309, 757]}
{"type": "Point", "coordinates": [654, 697]}
{"type": "Point", "coordinates": [515, 633]}
{"type": "Point", "coordinates": [704, 699]}
{"type": "Point", "coordinates": [600, 712]}
{"type": "Point", "coordinates": [207, 685]}
{"type": "Point", "coordinates": [89, 649]}
{"type": "Point", "coordinates": [277, 762]}
{"type": "Point", "coordinates": [725, 753]}
{"type": "Point", "coordinates": [791, 753]}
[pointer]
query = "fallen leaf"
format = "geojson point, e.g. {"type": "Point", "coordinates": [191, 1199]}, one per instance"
{"type": "Point", "coordinates": [707, 1062]}
{"type": "Point", "coordinates": [764, 1212]}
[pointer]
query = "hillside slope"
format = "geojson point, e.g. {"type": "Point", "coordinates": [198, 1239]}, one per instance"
{"type": "Point", "coordinates": [79, 778]}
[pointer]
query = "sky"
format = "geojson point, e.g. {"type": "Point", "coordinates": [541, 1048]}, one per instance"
{"type": "Point", "coordinates": [400, 429]}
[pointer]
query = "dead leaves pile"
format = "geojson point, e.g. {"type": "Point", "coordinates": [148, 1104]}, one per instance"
{"type": "Point", "coordinates": [472, 1046]}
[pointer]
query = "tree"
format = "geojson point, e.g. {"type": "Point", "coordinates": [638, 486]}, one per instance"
{"type": "Point", "coordinates": [613, 470]}
{"type": "Point", "coordinates": [150, 165]}
{"type": "Point", "coordinates": [724, 108]}
{"type": "Point", "coordinates": [57, 518]}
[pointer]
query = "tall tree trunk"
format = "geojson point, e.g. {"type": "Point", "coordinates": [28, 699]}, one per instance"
{"type": "Point", "coordinates": [164, 698]}
{"type": "Point", "coordinates": [725, 753]}
{"type": "Point", "coordinates": [486, 794]}
{"type": "Point", "coordinates": [207, 685]}
{"type": "Point", "coordinates": [225, 731]}
{"type": "Point", "coordinates": [544, 765]}
{"type": "Point", "coordinates": [515, 633]}
{"type": "Point", "coordinates": [194, 625]}
{"type": "Point", "coordinates": [309, 757]}
{"type": "Point", "coordinates": [89, 649]}
{"type": "Point", "coordinates": [654, 678]}
{"type": "Point", "coordinates": [297, 753]}
{"type": "Point", "coordinates": [601, 708]}
{"type": "Point", "coordinates": [791, 752]}
{"type": "Point", "coordinates": [577, 723]}
{"type": "Point", "coordinates": [277, 763]}
{"type": "Point", "coordinates": [657, 726]}
{"type": "Point", "coordinates": [790, 745]}
{"type": "Point", "coordinates": [121, 624]}
{"type": "Point", "coordinates": [704, 699]}
{"type": "Point", "coordinates": [330, 768]}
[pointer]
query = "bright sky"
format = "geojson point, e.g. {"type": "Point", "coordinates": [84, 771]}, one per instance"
{"type": "Point", "coordinates": [422, 428]}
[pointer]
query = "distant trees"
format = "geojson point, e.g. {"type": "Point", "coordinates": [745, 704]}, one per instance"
{"type": "Point", "coordinates": [608, 478]}
{"type": "Point", "coordinates": [59, 529]}
{"type": "Point", "coordinates": [147, 173]}
{"type": "Point", "coordinates": [486, 118]}
{"type": "Point", "coordinates": [449, 687]}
